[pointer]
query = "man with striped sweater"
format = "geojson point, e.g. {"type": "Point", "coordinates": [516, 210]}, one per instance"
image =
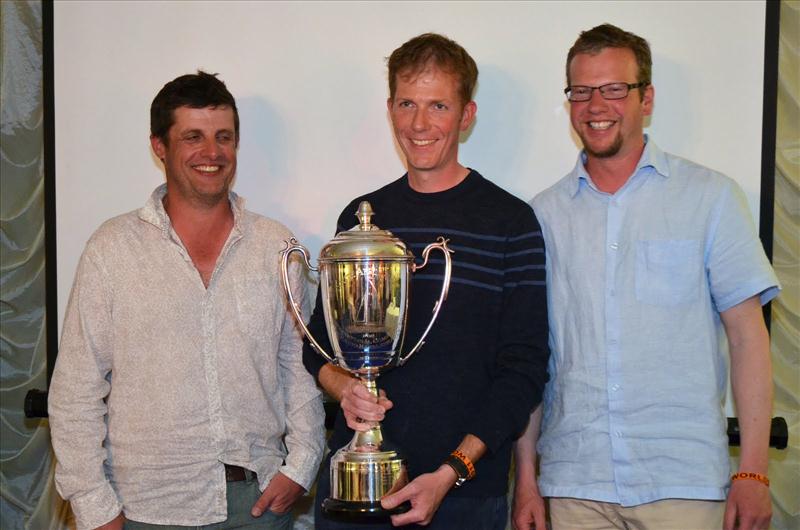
{"type": "Point", "coordinates": [483, 367]}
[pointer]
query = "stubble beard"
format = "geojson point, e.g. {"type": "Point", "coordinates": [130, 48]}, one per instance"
{"type": "Point", "coordinates": [210, 199]}
{"type": "Point", "coordinates": [199, 198]}
{"type": "Point", "coordinates": [608, 152]}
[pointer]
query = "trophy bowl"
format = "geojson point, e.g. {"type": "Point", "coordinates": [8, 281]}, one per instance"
{"type": "Point", "coordinates": [365, 278]}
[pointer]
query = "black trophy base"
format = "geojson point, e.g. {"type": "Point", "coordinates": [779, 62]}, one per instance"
{"type": "Point", "coordinates": [360, 511]}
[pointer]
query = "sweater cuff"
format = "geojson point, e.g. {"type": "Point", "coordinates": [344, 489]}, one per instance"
{"type": "Point", "coordinates": [96, 508]}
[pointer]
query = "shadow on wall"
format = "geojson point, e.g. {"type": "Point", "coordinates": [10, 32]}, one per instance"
{"type": "Point", "coordinates": [496, 147]}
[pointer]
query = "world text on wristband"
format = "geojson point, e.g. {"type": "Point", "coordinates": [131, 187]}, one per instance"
{"type": "Point", "coordinates": [750, 476]}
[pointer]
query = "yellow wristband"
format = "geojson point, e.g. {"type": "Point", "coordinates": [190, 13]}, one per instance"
{"type": "Point", "coordinates": [751, 476]}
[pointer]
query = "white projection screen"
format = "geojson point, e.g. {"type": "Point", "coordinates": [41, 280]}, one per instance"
{"type": "Point", "coordinates": [310, 81]}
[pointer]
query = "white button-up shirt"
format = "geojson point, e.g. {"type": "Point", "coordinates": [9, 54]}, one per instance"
{"type": "Point", "coordinates": [160, 380]}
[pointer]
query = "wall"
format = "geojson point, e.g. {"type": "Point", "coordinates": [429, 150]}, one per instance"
{"type": "Point", "coordinates": [311, 85]}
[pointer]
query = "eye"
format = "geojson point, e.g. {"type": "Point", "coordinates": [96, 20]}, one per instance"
{"type": "Point", "coordinates": [581, 90]}
{"type": "Point", "coordinates": [616, 89]}
{"type": "Point", "coordinates": [191, 137]}
{"type": "Point", "coordinates": [405, 104]}
{"type": "Point", "coordinates": [225, 138]}
{"type": "Point", "coordinates": [440, 106]}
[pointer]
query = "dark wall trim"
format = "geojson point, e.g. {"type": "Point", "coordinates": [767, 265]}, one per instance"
{"type": "Point", "coordinates": [48, 104]}
{"type": "Point", "coordinates": [769, 130]}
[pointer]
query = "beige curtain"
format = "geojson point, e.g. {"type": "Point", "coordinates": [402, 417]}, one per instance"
{"type": "Point", "coordinates": [784, 467]}
{"type": "Point", "coordinates": [27, 497]}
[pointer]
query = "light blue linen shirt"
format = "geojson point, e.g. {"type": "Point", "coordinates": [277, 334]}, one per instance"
{"type": "Point", "coordinates": [638, 372]}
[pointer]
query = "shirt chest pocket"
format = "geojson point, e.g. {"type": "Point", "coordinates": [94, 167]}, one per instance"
{"type": "Point", "coordinates": [668, 272]}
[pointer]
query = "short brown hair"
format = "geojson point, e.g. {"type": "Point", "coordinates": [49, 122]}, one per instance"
{"type": "Point", "coordinates": [596, 39]}
{"type": "Point", "coordinates": [414, 56]}
{"type": "Point", "coordinates": [196, 91]}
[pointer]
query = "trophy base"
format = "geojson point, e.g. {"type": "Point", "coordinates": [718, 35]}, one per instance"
{"type": "Point", "coordinates": [360, 511]}
{"type": "Point", "coordinates": [359, 480]}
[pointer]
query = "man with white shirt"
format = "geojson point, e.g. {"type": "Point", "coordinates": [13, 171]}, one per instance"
{"type": "Point", "coordinates": [179, 397]}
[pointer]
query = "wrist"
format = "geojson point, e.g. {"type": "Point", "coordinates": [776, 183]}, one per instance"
{"type": "Point", "coordinates": [447, 474]}
{"type": "Point", "coordinates": [525, 475]}
{"type": "Point", "coordinates": [746, 475]}
{"type": "Point", "coordinates": [462, 466]}
{"type": "Point", "coordinates": [526, 484]}
{"type": "Point", "coordinates": [753, 465]}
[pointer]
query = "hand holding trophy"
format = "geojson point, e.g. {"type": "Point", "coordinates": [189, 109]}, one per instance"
{"type": "Point", "coordinates": [365, 284]}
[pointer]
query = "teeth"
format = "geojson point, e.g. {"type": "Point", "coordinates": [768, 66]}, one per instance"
{"type": "Point", "coordinates": [422, 142]}
{"type": "Point", "coordinates": [600, 125]}
{"type": "Point", "coordinates": [207, 169]}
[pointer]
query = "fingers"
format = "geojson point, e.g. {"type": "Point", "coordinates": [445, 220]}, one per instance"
{"type": "Point", "coordinates": [520, 520]}
{"type": "Point", "coordinates": [425, 494]}
{"type": "Point", "coordinates": [394, 500]}
{"type": "Point", "coordinates": [748, 506]}
{"type": "Point", "coordinates": [362, 410]}
{"type": "Point", "coordinates": [420, 512]}
{"type": "Point", "coordinates": [390, 502]}
{"type": "Point", "coordinates": [278, 497]}
{"type": "Point", "coordinates": [539, 520]}
{"type": "Point", "coordinates": [383, 401]}
{"type": "Point", "coordinates": [526, 517]}
{"type": "Point", "coordinates": [263, 503]}
{"type": "Point", "coordinates": [415, 515]}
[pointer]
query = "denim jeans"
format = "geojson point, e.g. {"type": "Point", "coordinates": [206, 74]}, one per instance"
{"type": "Point", "coordinates": [242, 495]}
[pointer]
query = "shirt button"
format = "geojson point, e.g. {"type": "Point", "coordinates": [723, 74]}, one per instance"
{"type": "Point", "coordinates": [618, 434]}
{"type": "Point", "coordinates": [614, 246]}
{"type": "Point", "coordinates": [615, 388]}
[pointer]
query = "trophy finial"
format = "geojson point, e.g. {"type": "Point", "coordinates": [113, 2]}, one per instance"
{"type": "Point", "coordinates": [364, 215]}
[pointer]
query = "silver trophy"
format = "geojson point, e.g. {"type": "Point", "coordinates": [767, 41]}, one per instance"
{"type": "Point", "coordinates": [365, 280]}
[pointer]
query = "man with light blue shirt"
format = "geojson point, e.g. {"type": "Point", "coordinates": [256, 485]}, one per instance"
{"type": "Point", "coordinates": [650, 258]}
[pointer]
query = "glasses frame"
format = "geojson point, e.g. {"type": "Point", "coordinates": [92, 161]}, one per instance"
{"type": "Point", "coordinates": [601, 89]}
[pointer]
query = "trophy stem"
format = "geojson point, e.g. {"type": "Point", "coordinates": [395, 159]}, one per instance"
{"type": "Point", "coordinates": [371, 440]}
{"type": "Point", "coordinates": [371, 385]}
{"type": "Point", "coordinates": [363, 472]}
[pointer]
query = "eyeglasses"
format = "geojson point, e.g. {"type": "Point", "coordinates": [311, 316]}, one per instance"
{"type": "Point", "coordinates": [608, 91]}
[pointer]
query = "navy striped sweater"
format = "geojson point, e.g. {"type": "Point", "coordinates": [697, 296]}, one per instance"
{"type": "Point", "coordinates": [484, 364]}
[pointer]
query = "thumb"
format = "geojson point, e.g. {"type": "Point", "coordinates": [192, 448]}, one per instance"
{"type": "Point", "coordinates": [395, 499]}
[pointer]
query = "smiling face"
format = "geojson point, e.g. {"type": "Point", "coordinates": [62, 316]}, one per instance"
{"type": "Point", "coordinates": [200, 155]}
{"type": "Point", "coordinates": [428, 116]}
{"type": "Point", "coordinates": [610, 129]}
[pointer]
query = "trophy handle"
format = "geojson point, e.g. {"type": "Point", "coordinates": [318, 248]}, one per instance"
{"type": "Point", "coordinates": [293, 246]}
{"type": "Point", "coordinates": [441, 244]}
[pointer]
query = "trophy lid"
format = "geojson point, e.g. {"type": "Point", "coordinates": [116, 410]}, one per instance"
{"type": "Point", "coordinates": [365, 240]}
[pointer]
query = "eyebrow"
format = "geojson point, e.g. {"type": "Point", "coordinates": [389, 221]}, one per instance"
{"type": "Point", "coordinates": [200, 131]}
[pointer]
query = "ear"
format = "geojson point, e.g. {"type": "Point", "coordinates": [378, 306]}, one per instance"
{"type": "Point", "coordinates": [468, 115]}
{"type": "Point", "coordinates": [158, 147]}
{"type": "Point", "coordinates": [648, 98]}
{"type": "Point", "coordinates": [389, 104]}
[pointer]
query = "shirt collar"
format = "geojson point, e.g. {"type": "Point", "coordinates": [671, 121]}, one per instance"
{"type": "Point", "coordinates": [153, 211]}
{"type": "Point", "coordinates": [652, 156]}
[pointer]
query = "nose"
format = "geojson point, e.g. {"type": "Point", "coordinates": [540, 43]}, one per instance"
{"type": "Point", "coordinates": [597, 102]}
{"type": "Point", "coordinates": [211, 148]}
{"type": "Point", "coordinates": [420, 120]}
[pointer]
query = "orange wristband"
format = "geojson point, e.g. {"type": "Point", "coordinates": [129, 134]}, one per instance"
{"type": "Point", "coordinates": [467, 463]}
{"type": "Point", "coordinates": [751, 476]}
